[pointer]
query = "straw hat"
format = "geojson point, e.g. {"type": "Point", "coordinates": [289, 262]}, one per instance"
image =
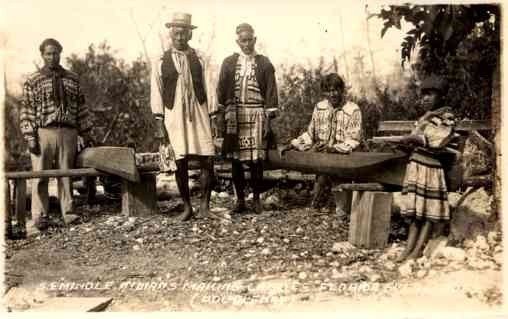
{"type": "Point", "coordinates": [181, 19]}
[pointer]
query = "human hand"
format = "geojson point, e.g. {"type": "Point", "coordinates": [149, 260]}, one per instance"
{"type": "Point", "coordinates": [319, 147]}
{"type": "Point", "coordinates": [412, 140]}
{"type": "Point", "coordinates": [33, 147]}
{"type": "Point", "coordinates": [266, 128]}
{"type": "Point", "coordinates": [284, 148]}
{"type": "Point", "coordinates": [160, 130]}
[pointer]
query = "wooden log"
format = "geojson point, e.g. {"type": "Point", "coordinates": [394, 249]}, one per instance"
{"type": "Point", "coordinates": [119, 161]}
{"type": "Point", "coordinates": [140, 199]}
{"type": "Point", "coordinates": [54, 173]}
{"type": "Point", "coordinates": [370, 219]}
{"type": "Point", "coordinates": [386, 168]}
{"type": "Point", "coordinates": [407, 126]}
{"type": "Point", "coordinates": [359, 187]}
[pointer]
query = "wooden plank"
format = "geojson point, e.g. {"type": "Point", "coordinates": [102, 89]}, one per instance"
{"type": "Point", "coordinates": [54, 173]}
{"type": "Point", "coordinates": [140, 199]}
{"type": "Point", "coordinates": [74, 304]}
{"type": "Point", "coordinates": [370, 219]}
{"type": "Point", "coordinates": [403, 126]}
{"type": "Point", "coordinates": [119, 161]}
{"type": "Point", "coordinates": [359, 187]}
{"type": "Point", "coordinates": [20, 202]}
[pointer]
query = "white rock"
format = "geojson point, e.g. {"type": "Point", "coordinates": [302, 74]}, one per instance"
{"type": "Point", "coordinates": [271, 200]}
{"type": "Point", "coordinates": [434, 246]}
{"type": "Point", "coordinates": [336, 274]}
{"type": "Point", "coordinates": [421, 273]}
{"type": "Point", "coordinates": [266, 251]}
{"type": "Point", "coordinates": [342, 247]}
{"type": "Point", "coordinates": [451, 253]}
{"type": "Point", "coordinates": [299, 230]}
{"type": "Point", "coordinates": [140, 240]}
{"type": "Point", "coordinates": [214, 194]}
{"type": "Point", "coordinates": [250, 196]}
{"type": "Point", "coordinates": [498, 249]}
{"type": "Point", "coordinates": [365, 269]}
{"type": "Point", "coordinates": [481, 243]}
{"type": "Point", "coordinates": [136, 247]}
{"type": "Point", "coordinates": [432, 273]}
{"type": "Point", "coordinates": [302, 276]}
{"type": "Point", "coordinates": [260, 240]}
{"type": "Point", "coordinates": [480, 264]}
{"type": "Point", "coordinates": [375, 278]}
{"type": "Point", "coordinates": [335, 264]}
{"type": "Point", "coordinates": [493, 238]}
{"type": "Point", "coordinates": [406, 269]}
{"type": "Point", "coordinates": [423, 262]}
{"type": "Point", "coordinates": [389, 265]}
{"type": "Point", "coordinates": [468, 243]}
{"type": "Point", "coordinates": [498, 258]}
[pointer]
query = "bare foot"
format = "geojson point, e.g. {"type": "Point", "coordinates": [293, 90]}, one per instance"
{"type": "Point", "coordinates": [239, 208]}
{"type": "Point", "coordinates": [403, 256]}
{"type": "Point", "coordinates": [186, 215]}
{"type": "Point", "coordinates": [415, 254]}
{"type": "Point", "coordinates": [204, 208]}
{"type": "Point", "coordinates": [258, 206]}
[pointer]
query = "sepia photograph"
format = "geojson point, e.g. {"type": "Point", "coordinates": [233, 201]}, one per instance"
{"type": "Point", "coordinates": [239, 156]}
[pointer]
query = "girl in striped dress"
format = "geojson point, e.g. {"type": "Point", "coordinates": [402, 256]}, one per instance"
{"type": "Point", "coordinates": [424, 194]}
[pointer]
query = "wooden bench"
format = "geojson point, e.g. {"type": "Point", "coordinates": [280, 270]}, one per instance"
{"type": "Point", "coordinates": [371, 203]}
{"type": "Point", "coordinates": [138, 198]}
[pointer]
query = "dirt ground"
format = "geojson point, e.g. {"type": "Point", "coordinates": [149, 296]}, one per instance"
{"type": "Point", "coordinates": [287, 258]}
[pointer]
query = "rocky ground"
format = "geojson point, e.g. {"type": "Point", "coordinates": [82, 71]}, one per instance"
{"type": "Point", "coordinates": [287, 258]}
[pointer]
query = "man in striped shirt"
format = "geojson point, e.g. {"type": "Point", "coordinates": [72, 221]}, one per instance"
{"type": "Point", "coordinates": [53, 114]}
{"type": "Point", "coordinates": [247, 90]}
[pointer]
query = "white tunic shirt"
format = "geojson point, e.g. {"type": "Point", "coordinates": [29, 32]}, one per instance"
{"type": "Point", "coordinates": [188, 122]}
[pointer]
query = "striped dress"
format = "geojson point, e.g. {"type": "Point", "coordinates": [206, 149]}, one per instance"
{"type": "Point", "coordinates": [251, 113]}
{"type": "Point", "coordinates": [424, 188]}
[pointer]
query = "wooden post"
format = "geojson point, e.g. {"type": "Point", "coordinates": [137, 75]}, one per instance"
{"type": "Point", "coordinates": [20, 201]}
{"type": "Point", "coordinates": [140, 199]}
{"type": "Point", "coordinates": [343, 200]}
{"type": "Point", "coordinates": [370, 219]}
{"type": "Point", "coordinates": [7, 208]}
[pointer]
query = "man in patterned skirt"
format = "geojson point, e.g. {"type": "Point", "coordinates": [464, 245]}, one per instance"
{"type": "Point", "coordinates": [248, 92]}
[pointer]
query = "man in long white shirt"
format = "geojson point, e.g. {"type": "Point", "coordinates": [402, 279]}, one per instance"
{"type": "Point", "coordinates": [179, 103]}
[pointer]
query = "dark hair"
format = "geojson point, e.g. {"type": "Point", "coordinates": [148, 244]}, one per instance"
{"type": "Point", "coordinates": [332, 81]}
{"type": "Point", "coordinates": [244, 27]}
{"type": "Point", "coordinates": [50, 41]}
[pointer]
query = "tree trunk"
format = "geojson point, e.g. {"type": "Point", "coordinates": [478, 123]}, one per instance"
{"type": "Point", "coordinates": [496, 125]}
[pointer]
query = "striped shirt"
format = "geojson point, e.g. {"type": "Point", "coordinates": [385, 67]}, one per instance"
{"type": "Point", "coordinates": [39, 110]}
{"type": "Point", "coordinates": [247, 92]}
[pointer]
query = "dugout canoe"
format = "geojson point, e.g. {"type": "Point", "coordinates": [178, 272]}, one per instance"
{"type": "Point", "coordinates": [386, 168]}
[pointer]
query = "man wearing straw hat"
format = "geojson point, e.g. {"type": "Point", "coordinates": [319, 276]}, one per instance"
{"type": "Point", "coordinates": [179, 103]}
